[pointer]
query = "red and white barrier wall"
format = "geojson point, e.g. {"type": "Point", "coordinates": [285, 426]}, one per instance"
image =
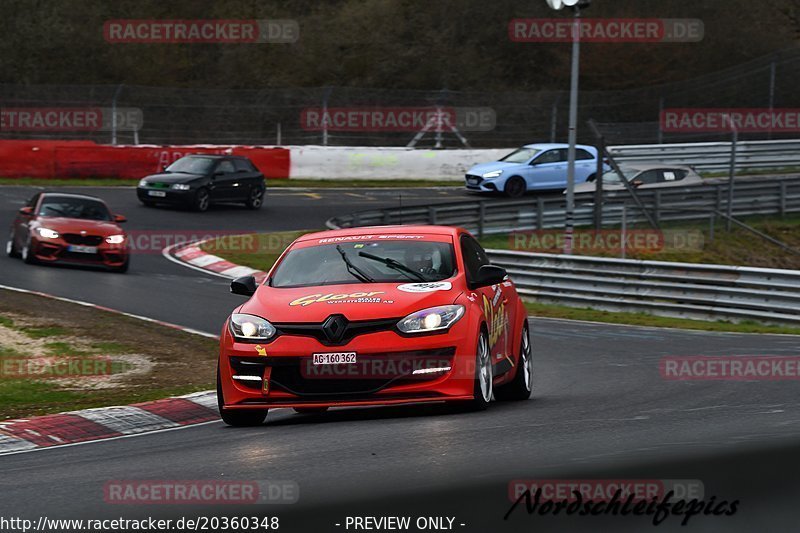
{"type": "Point", "coordinates": [86, 159]}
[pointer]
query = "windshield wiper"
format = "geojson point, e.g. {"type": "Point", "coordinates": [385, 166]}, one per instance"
{"type": "Point", "coordinates": [396, 265]}
{"type": "Point", "coordinates": [352, 269]}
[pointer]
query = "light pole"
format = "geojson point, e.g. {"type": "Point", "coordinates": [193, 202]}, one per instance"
{"type": "Point", "coordinates": [576, 5]}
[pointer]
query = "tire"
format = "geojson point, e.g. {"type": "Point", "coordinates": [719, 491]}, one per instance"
{"type": "Point", "coordinates": [250, 417]}
{"type": "Point", "coordinates": [515, 187]}
{"type": "Point", "coordinates": [202, 199]}
{"type": "Point", "coordinates": [11, 250]}
{"type": "Point", "coordinates": [521, 386]}
{"type": "Point", "coordinates": [26, 254]}
{"type": "Point", "coordinates": [123, 267]}
{"type": "Point", "coordinates": [482, 384]}
{"type": "Point", "coordinates": [255, 199]}
{"type": "Point", "coordinates": [591, 178]}
{"type": "Point", "coordinates": [310, 410]}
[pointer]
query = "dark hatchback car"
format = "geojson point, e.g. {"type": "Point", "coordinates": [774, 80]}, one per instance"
{"type": "Point", "coordinates": [197, 181]}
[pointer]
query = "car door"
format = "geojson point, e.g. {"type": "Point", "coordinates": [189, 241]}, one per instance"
{"type": "Point", "coordinates": [249, 175]}
{"type": "Point", "coordinates": [548, 170]}
{"type": "Point", "coordinates": [585, 165]}
{"type": "Point", "coordinates": [494, 302]}
{"type": "Point", "coordinates": [226, 181]}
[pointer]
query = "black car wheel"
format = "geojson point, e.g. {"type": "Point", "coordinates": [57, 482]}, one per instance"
{"type": "Point", "coordinates": [255, 199]}
{"type": "Point", "coordinates": [521, 386]}
{"type": "Point", "coordinates": [11, 250]}
{"type": "Point", "coordinates": [123, 267]}
{"type": "Point", "coordinates": [201, 200]}
{"type": "Point", "coordinates": [27, 254]}
{"type": "Point", "coordinates": [515, 187]}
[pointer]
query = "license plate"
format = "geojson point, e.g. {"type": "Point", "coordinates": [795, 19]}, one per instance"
{"type": "Point", "coordinates": [472, 180]}
{"type": "Point", "coordinates": [82, 249]}
{"type": "Point", "coordinates": [160, 194]}
{"type": "Point", "coordinates": [334, 358]}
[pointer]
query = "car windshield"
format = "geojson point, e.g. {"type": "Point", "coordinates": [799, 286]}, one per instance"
{"type": "Point", "coordinates": [611, 177]}
{"type": "Point", "coordinates": [192, 165]}
{"type": "Point", "coordinates": [521, 155]}
{"type": "Point", "coordinates": [386, 261]}
{"type": "Point", "coordinates": [69, 207]}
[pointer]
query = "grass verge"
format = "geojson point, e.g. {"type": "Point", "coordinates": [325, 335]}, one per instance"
{"type": "Point", "coordinates": [141, 361]}
{"type": "Point", "coordinates": [737, 247]}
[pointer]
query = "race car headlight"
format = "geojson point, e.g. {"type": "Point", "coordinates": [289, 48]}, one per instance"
{"type": "Point", "coordinates": [493, 174]}
{"type": "Point", "coordinates": [250, 327]}
{"type": "Point", "coordinates": [181, 186]}
{"type": "Point", "coordinates": [431, 319]}
{"type": "Point", "coordinates": [143, 183]}
{"type": "Point", "coordinates": [115, 239]}
{"type": "Point", "coordinates": [47, 233]}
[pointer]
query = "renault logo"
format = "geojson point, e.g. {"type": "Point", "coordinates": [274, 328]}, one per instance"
{"type": "Point", "coordinates": [334, 328]}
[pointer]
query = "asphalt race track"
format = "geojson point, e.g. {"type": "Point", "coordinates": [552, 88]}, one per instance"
{"type": "Point", "coordinates": [600, 410]}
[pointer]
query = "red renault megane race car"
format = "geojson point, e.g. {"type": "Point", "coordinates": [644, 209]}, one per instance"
{"type": "Point", "coordinates": [69, 228]}
{"type": "Point", "coordinates": [374, 316]}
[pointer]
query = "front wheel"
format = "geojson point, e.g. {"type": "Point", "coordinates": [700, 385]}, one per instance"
{"type": "Point", "coordinates": [515, 187]}
{"type": "Point", "coordinates": [482, 387]}
{"type": "Point", "coordinates": [27, 252]}
{"type": "Point", "coordinates": [201, 200]}
{"type": "Point", "coordinates": [521, 386]}
{"type": "Point", "coordinates": [255, 199]}
{"type": "Point", "coordinates": [121, 269]}
{"type": "Point", "coordinates": [250, 417]}
{"type": "Point", "coordinates": [11, 250]}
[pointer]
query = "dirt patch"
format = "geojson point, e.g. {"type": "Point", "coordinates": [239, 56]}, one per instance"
{"type": "Point", "coordinates": [152, 361]}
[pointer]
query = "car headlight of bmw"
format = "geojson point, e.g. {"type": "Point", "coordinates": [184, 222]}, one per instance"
{"type": "Point", "coordinates": [431, 319]}
{"type": "Point", "coordinates": [115, 239]}
{"type": "Point", "coordinates": [143, 183]}
{"type": "Point", "coordinates": [493, 174]}
{"type": "Point", "coordinates": [47, 233]}
{"type": "Point", "coordinates": [181, 186]}
{"type": "Point", "coordinates": [250, 327]}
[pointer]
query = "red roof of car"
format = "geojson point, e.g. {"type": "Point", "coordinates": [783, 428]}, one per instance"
{"type": "Point", "coordinates": [383, 230]}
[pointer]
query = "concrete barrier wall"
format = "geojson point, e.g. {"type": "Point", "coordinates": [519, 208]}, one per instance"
{"type": "Point", "coordinates": [86, 159]}
{"type": "Point", "coordinates": [346, 162]}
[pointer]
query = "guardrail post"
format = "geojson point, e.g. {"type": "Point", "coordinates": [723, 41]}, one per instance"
{"type": "Point", "coordinates": [539, 212]}
{"type": "Point", "coordinates": [481, 218]}
{"type": "Point", "coordinates": [718, 200]}
{"type": "Point", "coordinates": [432, 215]}
{"type": "Point", "coordinates": [782, 209]}
{"type": "Point", "coordinates": [711, 220]}
{"type": "Point", "coordinates": [657, 206]}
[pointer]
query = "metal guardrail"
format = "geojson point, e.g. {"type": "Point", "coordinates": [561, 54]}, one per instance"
{"type": "Point", "coordinates": [714, 156]}
{"type": "Point", "coordinates": [486, 217]}
{"type": "Point", "coordinates": [684, 290]}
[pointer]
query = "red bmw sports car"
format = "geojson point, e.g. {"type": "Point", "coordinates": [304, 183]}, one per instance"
{"type": "Point", "coordinates": [69, 228]}
{"type": "Point", "coordinates": [374, 316]}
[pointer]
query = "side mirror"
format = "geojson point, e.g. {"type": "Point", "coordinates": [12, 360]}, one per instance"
{"type": "Point", "coordinates": [219, 173]}
{"type": "Point", "coordinates": [119, 219]}
{"type": "Point", "coordinates": [489, 275]}
{"type": "Point", "coordinates": [636, 183]}
{"type": "Point", "coordinates": [245, 286]}
{"type": "Point", "coordinates": [27, 211]}
{"type": "Point", "coordinates": [163, 167]}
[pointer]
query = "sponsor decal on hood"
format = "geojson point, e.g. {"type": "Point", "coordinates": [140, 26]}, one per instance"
{"type": "Point", "coordinates": [343, 298]}
{"type": "Point", "coordinates": [430, 286]}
